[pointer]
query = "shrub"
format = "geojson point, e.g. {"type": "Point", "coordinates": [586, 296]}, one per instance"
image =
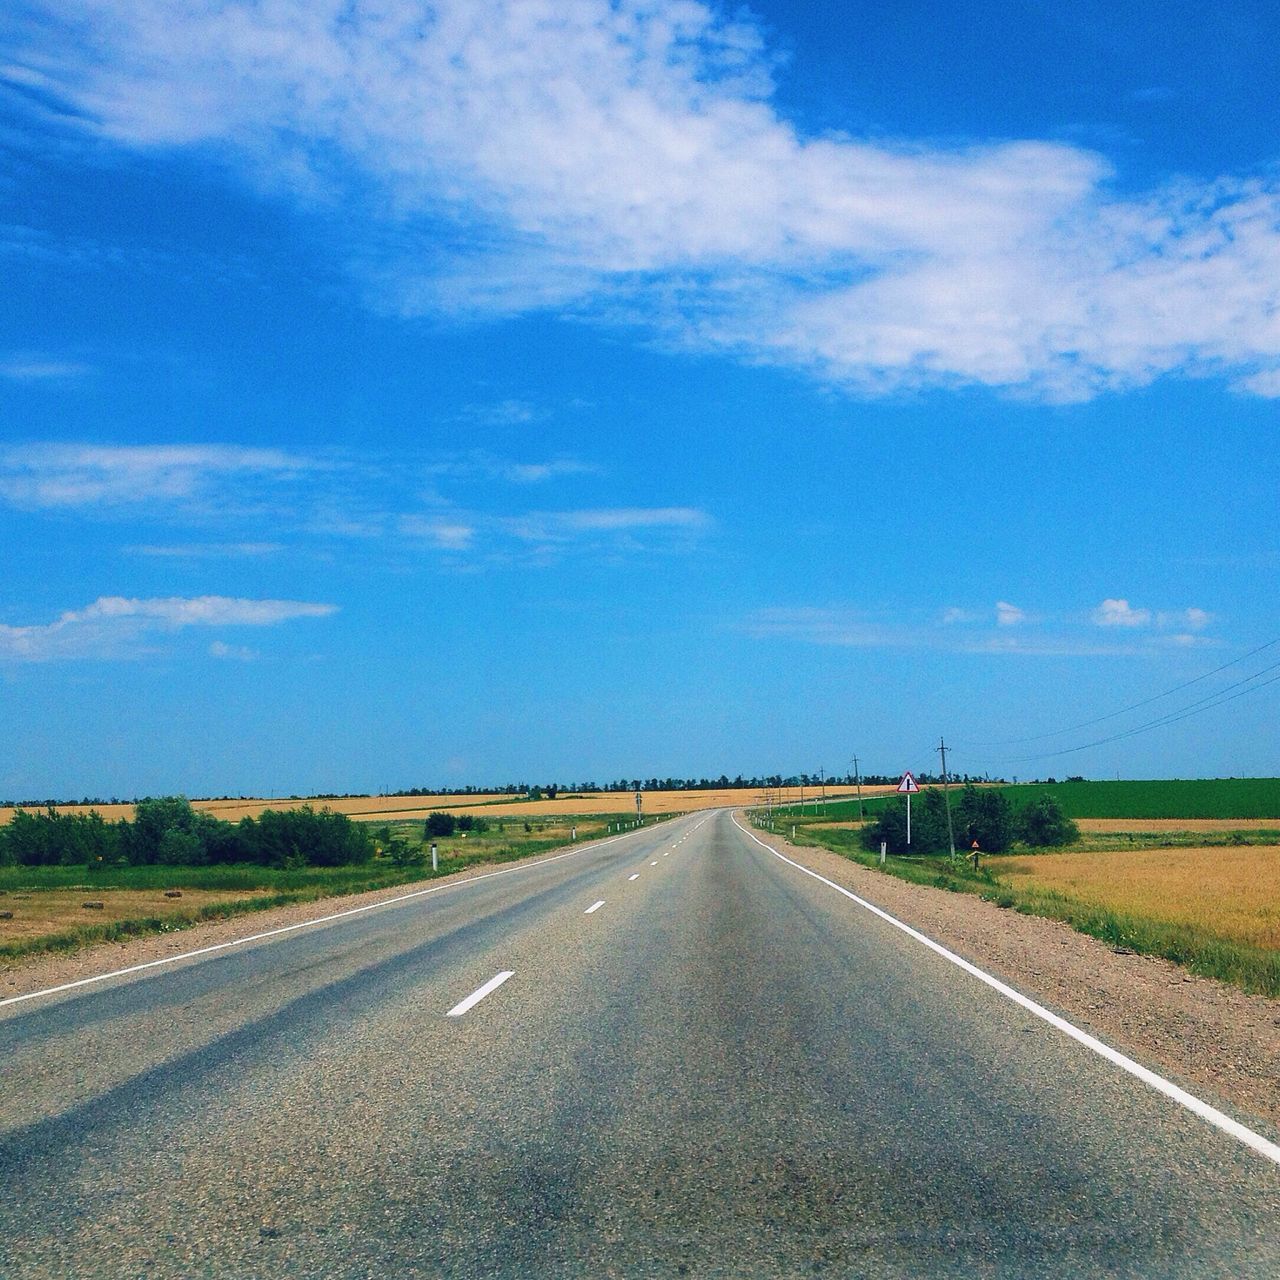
{"type": "Point", "coordinates": [928, 825]}
{"type": "Point", "coordinates": [1042, 824]}
{"type": "Point", "coordinates": [984, 816]}
{"type": "Point", "coordinates": [440, 824]}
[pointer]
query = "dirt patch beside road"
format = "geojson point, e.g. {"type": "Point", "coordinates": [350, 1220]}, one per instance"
{"type": "Point", "coordinates": [1211, 1038]}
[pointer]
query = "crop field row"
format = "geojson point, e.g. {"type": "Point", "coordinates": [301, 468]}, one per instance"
{"type": "Point", "coordinates": [568, 804]}
{"type": "Point", "coordinates": [1214, 800]}
{"type": "Point", "coordinates": [1231, 893]}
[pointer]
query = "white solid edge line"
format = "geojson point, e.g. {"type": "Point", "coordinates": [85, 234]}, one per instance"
{"type": "Point", "coordinates": [308, 924]}
{"type": "Point", "coordinates": [1242, 1133]}
{"type": "Point", "coordinates": [595, 906]}
{"type": "Point", "coordinates": [479, 994]}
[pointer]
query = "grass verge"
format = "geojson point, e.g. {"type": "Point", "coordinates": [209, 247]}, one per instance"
{"type": "Point", "coordinates": [285, 886]}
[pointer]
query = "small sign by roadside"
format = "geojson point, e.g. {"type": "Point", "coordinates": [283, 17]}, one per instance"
{"type": "Point", "coordinates": [908, 787]}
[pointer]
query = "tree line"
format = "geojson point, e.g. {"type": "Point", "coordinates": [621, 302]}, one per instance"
{"type": "Point", "coordinates": [167, 831]}
{"type": "Point", "coordinates": [980, 815]}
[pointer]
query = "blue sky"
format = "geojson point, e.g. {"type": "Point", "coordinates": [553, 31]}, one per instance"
{"type": "Point", "coordinates": [420, 395]}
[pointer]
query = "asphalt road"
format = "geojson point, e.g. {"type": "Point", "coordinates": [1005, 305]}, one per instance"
{"type": "Point", "coordinates": [727, 1070]}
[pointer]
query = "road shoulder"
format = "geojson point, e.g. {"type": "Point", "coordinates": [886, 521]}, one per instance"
{"type": "Point", "coordinates": [42, 970]}
{"type": "Point", "coordinates": [1209, 1037]}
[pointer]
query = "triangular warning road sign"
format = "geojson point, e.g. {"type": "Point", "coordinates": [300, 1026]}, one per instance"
{"type": "Point", "coordinates": [908, 785]}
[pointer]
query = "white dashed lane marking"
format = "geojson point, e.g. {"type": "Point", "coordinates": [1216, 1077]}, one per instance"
{"type": "Point", "coordinates": [479, 994]}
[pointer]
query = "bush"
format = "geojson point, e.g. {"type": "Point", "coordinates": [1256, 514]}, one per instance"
{"type": "Point", "coordinates": [303, 837]}
{"type": "Point", "coordinates": [58, 839]}
{"type": "Point", "coordinates": [984, 816]}
{"type": "Point", "coordinates": [928, 825]}
{"type": "Point", "coordinates": [440, 824]}
{"type": "Point", "coordinates": [1042, 823]}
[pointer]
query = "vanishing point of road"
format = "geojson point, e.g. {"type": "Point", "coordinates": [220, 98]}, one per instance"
{"type": "Point", "coordinates": [670, 1053]}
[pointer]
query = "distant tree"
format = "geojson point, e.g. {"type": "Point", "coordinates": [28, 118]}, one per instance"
{"type": "Point", "coordinates": [403, 854]}
{"type": "Point", "coordinates": [984, 815]}
{"type": "Point", "coordinates": [441, 824]}
{"type": "Point", "coordinates": [303, 837]}
{"type": "Point", "coordinates": [180, 849]}
{"type": "Point", "coordinates": [152, 818]}
{"type": "Point", "coordinates": [928, 825]}
{"type": "Point", "coordinates": [1042, 824]}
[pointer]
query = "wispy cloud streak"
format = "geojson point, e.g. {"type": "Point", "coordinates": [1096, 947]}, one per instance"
{"type": "Point", "coordinates": [121, 627]}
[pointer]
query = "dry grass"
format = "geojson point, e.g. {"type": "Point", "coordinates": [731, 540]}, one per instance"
{"type": "Point", "coordinates": [44, 911]}
{"type": "Point", "coordinates": [1231, 893]}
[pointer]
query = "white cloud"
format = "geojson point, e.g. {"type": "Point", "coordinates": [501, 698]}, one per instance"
{"type": "Point", "coordinates": [207, 550]}
{"type": "Point", "coordinates": [563, 526]}
{"type": "Point", "coordinates": [232, 652]}
{"type": "Point", "coordinates": [1190, 620]}
{"type": "Point", "coordinates": [31, 368]}
{"type": "Point", "coordinates": [1118, 613]}
{"type": "Point", "coordinates": [71, 475]}
{"type": "Point", "coordinates": [443, 533]}
{"type": "Point", "coordinates": [624, 160]}
{"type": "Point", "coordinates": [118, 626]}
{"type": "Point", "coordinates": [537, 472]}
{"type": "Point", "coordinates": [959, 630]}
{"type": "Point", "coordinates": [1265, 383]}
{"type": "Point", "coordinates": [547, 536]}
{"type": "Point", "coordinates": [855, 629]}
{"type": "Point", "coordinates": [502, 413]}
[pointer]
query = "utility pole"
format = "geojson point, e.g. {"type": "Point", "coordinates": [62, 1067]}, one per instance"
{"type": "Point", "coordinates": [858, 777]}
{"type": "Point", "coordinates": [946, 794]}
{"type": "Point", "coordinates": [822, 776]}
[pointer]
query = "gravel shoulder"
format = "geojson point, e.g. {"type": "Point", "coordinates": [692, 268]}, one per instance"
{"type": "Point", "coordinates": [1211, 1038]}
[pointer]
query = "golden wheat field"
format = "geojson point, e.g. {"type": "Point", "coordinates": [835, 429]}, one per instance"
{"type": "Point", "coordinates": [1232, 892]}
{"type": "Point", "coordinates": [372, 807]}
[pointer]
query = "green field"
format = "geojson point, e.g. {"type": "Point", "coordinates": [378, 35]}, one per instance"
{"type": "Point", "coordinates": [1162, 798]}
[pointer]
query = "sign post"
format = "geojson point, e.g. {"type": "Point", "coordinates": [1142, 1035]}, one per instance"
{"type": "Point", "coordinates": [908, 787]}
{"type": "Point", "coordinates": [639, 803]}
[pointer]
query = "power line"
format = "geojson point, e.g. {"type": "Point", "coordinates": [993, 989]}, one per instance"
{"type": "Point", "coordinates": [1134, 706]}
{"type": "Point", "coordinates": [1192, 709]}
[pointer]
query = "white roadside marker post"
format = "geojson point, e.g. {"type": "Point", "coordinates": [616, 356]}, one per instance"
{"type": "Point", "coordinates": [435, 859]}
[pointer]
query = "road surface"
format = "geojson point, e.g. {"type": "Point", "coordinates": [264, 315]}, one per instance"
{"type": "Point", "coordinates": [702, 1062]}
